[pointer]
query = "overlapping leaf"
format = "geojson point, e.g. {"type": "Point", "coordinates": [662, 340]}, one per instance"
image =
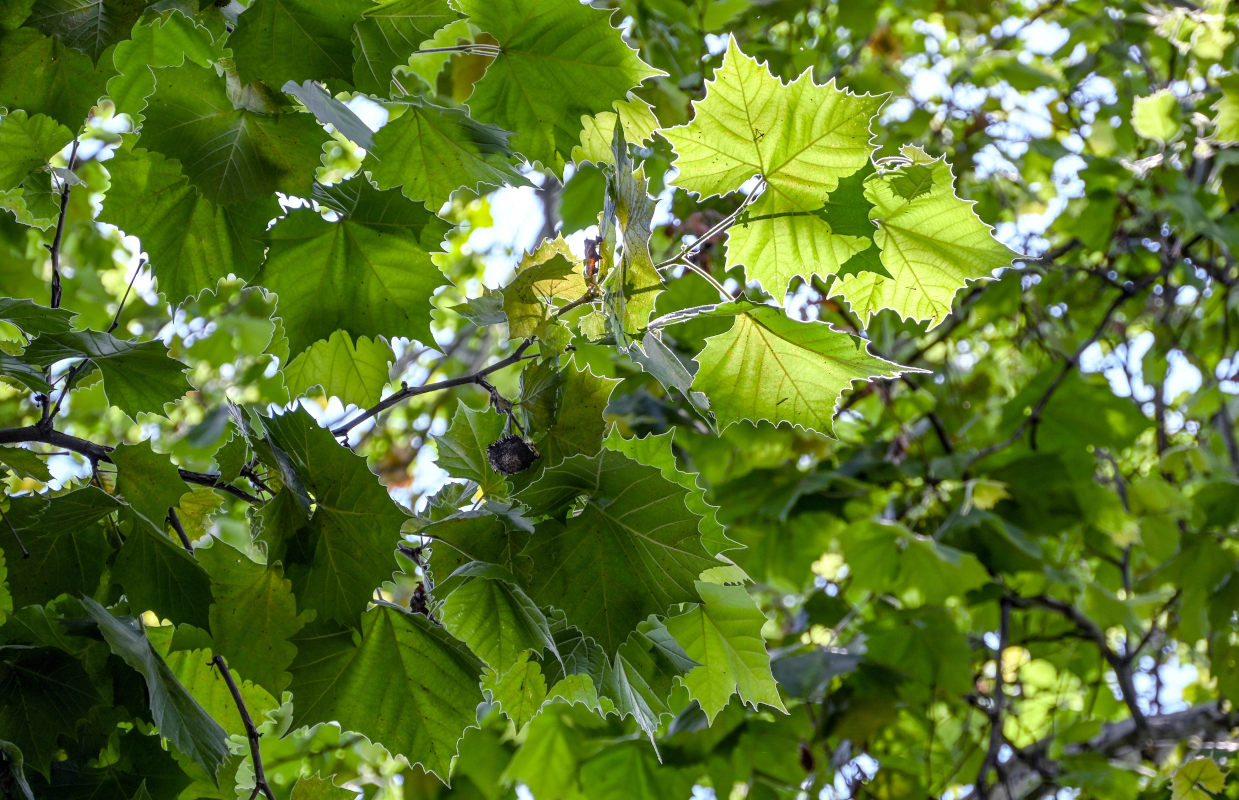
{"type": "Point", "coordinates": [723, 635]}
{"type": "Point", "coordinates": [339, 556]}
{"type": "Point", "coordinates": [355, 372]}
{"type": "Point", "coordinates": [291, 40]}
{"type": "Point", "coordinates": [388, 34]}
{"type": "Point", "coordinates": [802, 138]}
{"type": "Point", "coordinates": [368, 274]}
{"type": "Point", "coordinates": [191, 241]}
{"type": "Point", "coordinates": [932, 243]}
{"type": "Point", "coordinates": [632, 551]}
{"type": "Point", "coordinates": [431, 151]}
{"type": "Point", "coordinates": [232, 155]}
{"type": "Point", "coordinates": [404, 683]}
{"type": "Point", "coordinates": [560, 61]}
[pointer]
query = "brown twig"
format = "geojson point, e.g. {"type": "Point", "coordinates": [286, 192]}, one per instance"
{"type": "Point", "coordinates": [251, 732]}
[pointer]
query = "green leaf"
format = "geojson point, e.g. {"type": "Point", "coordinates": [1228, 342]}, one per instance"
{"type": "Point", "coordinates": [801, 137]}
{"type": "Point", "coordinates": [16, 369]}
{"type": "Point", "coordinates": [276, 41]}
{"type": "Point", "coordinates": [1197, 780]}
{"type": "Point", "coordinates": [46, 693]}
{"type": "Point", "coordinates": [164, 40]}
{"type": "Point", "coordinates": [177, 715]}
{"type": "Point", "coordinates": [26, 144]}
{"type": "Point", "coordinates": [68, 550]}
{"type": "Point", "coordinates": [632, 771]}
{"type": "Point", "coordinates": [462, 449]}
{"type": "Point", "coordinates": [656, 450]}
{"type": "Point", "coordinates": [24, 464]}
{"type": "Point", "coordinates": [34, 318]}
{"type": "Point", "coordinates": [1157, 116]}
{"type": "Point", "coordinates": [632, 551]}
{"type": "Point", "coordinates": [641, 676]}
{"type": "Point", "coordinates": [159, 575]}
{"type": "Point", "coordinates": [137, 376]}
{"type": "Point", "coordinates": [253, 617]}
{"type": "Point", "coordinates": [369, 274]}
{"type": "Point", "coordinates": [355, 373]}
{"type": "Point", "coordinates": [723, 634]}
{"type": "Point", "coordinates": [520, 690]}
{"type": "Point", "coordinates": [547, 760]}
{"type": "Point", "coordinates": [148, 481]}
{"type": "Point", "coordinates": [430, 151]}
{"type": "Point", "coordinates": [560, 61]}
{"type": "Point", "coordinates": [474, 535]}
{"type": "Point", "coordinates": [770, 367]}
{"type": "Point", "coordinates": [931, 245]}
{"type": "Point", "coordinates": [1227, 108]}
{"type": "Point", "coordinates": [91, 27]}
{"type": "Point", "coordinates": [889, 558]}
{"type": "Point", "coordinates": [197, 673]}
{"type": "Point", "coordinates": [406, 684]}
{"type": "Point", "coordinates": [191, 241]}
{"type": "Point", "coordinates": [493, 616]}
{"type": "Point", "coordinates": [338, 557]}
{"type": "Point", "coordinates": [232, 155]}
{"type": "Point", "coordinates": [388, 34]}
{"type": "Point", "coordinates": [41, 75]}
{"type": "Point", "coordinates": [330, 111]}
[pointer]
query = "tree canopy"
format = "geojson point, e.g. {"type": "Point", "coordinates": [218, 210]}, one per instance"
{"type": "Point", "coordinates": [624, 399]}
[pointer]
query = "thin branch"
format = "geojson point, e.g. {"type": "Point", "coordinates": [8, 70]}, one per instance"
{"type": "Point", "coordinates": [13, 530]}
{"type": "Point", "coordinates": [413, 391]}
{"type": "Point", "coordinates": [54, 247]}
{"type": "Point", "coordinates": [251, 732]}
{"type": "Point", "coordinates": [999, 700]}
{"type": "Point", "coordinates": [1089, 630]}
{"type": "Point", "coordinates": [1031, 422]}
{"type": "Point", "coordinates": [726, 222]}
{"type": "Point", "coordinates": [175, 521]}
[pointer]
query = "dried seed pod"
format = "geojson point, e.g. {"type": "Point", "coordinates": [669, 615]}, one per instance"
{"type": "Point", "coordinates": [511, 455]}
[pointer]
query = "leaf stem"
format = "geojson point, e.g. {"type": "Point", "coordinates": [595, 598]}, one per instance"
{"type": "Point", "coordinates": [54, 247]}
{"type": "Point", "coordinates": [13, 530]}
{"type": "Point", "coordinates": [474, 48]}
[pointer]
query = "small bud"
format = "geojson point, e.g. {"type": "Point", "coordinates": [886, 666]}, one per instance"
{"type": "Point", "coordinates": [511, 455]}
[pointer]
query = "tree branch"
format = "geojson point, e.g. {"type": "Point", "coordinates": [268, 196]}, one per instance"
{"type": "Point", "coordinates": [999, 699]}
{"type": "Point", "coordinates": [251, 732]}
{"type": "Point", "coordinates": [1030, 768]}
{"type": "Point", "coordinates": [99, 452]}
